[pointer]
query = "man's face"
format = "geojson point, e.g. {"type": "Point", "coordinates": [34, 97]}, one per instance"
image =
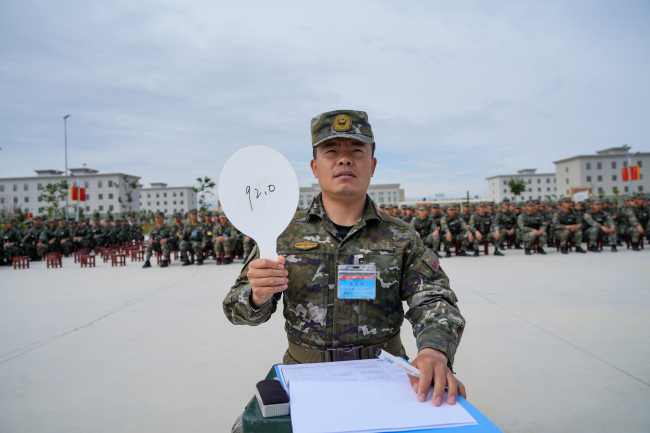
{"type": "Point", "coordinates": [422, 214]}
{"type": "Point", "coordinates": [490, 209]}
{"type": "Point", "coordinates": [62, 223]}
{"type": "Point", "coordinates": [566, 206]}
{"type": "Point", "coordinates": [480, 210]}
{"type": "Point", "coordinates": [96, 223]}
{"type": "Point", "coordinates": [193, 218]}
{"type": "Point", "coordinates": [160, 220]}
{"type": "Point", "coordinates": [208, 219]}
{"type": "Point", "coordinates": [108, 223]}
{"type": "Point", "coordinates": [536, 207]}
{"type": "Point", "coordinates": [177, 220]}
{"type": "Point", "coordinates": [452, 212]}
{"type": "Point", "coordinates": [639, 201]}
{"type": "Point", "coordinates": [465, 210]}
{"type": "Point", "coordinates": [409, 213]}
{"type": "Point", "coordinates": [223, 220]}
{"type": "Point", "coordinates": [435, 211]}
{"type": "Point", "coordinates": [201, 218]}
{"type": "Point", "coordinates": [38, 223]}
{"type": "Point", "coordinates": [343, 166]}
{"type": "Point", "coordinates": [597, 207]}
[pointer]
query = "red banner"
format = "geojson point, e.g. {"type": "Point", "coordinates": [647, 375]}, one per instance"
{"type": "Point", "coordinates": [77, 193]}
{"type": "Point", "coordinates": [634, 172]}
{"type": "Point", "coordinates": [625, 171]}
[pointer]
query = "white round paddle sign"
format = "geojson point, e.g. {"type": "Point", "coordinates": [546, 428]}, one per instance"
{"type": "Point", "coordinates": [258, 190]}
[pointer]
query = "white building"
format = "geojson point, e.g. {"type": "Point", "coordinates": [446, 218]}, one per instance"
{"type": "Point", "coordinates": [168, 199]}
{"type": "Point", "coordinates": [389, 193]}
{"type": "Point", "coordinates": [102, 191]}
{"type": "Point", "coordinates": [601, 172]}
{"type": "Point", "coordinates": [540, 185]}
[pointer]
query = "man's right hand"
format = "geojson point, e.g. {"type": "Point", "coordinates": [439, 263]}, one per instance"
{"type": "Point", "coordinates": [267, 278]}
{"type": "Point", "coordinates": [448, 237]}
{"type": "Point", "coordinates": [150, 241]}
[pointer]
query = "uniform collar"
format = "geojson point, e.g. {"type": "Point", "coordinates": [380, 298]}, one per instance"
{"type": "Point", "coordinates": [370, 213]}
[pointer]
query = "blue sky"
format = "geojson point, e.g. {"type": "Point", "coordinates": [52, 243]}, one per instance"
{"type": "Point", "coordinates": [455, 91]}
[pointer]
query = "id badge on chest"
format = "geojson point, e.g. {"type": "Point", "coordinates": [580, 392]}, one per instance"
{"type": "Point", "coordinates": [356, 281]}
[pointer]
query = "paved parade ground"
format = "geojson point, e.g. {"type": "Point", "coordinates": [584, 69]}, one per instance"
{"type": "Point", "coordinates": [553, 344]}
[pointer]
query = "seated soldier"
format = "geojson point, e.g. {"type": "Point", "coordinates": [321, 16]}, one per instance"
{"type": "Point", "coordinates": [62, 241]}
{"type": "Point", "coordinates": [531, 225]}
{"type": "Point", "coordinates": [223, 236]}
{"type": "Point", "coordinates": [159, 237]}
{"type": "Point", "coordinates": [190, 240]}
{"type": "Point", "coordinates": [484, 230]}
{"type": "Point", "coordinates": [566, 224]}
{"type": "Point", "coordinates": [454, 231]}
{"type": "Point", "coordinates": [600, 226]}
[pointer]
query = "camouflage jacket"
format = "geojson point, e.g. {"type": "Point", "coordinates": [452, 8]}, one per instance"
{"type": "Point", "coordinates": [192, 232]}
{"type": "Point", "coordinates": [424, 227]}
{"type": "Point", "coordinates": [13, 234]}
{"type": "Point", "coordinates": [529, 222]}
{"type": "Point", "coordinates": [158, 234]}
{"type": "Point", "coordinates": [177, 231]}
{"type": "Point", "coordinates": [598, 219]}
{"type": "Point", "coordinates": [465, 217]}
{"type": "Point", "coordinates": [638, 216]}
{"type": "Point", "coordinates": [33, 235]}
{"type": "Point", "coordinates": [455, 225]}
{"type": "Point", "coordinates": [62, 233]}
{"type": "Point", "coordinates": [228, 230]}
{"type": "Point", "coordinates": [83, 232]}
{"type": "Point", "coordinates": [316, 317]}
{"type": "Point", "coordinates": [562, 219]}
{"type": "Point", "coordinates": [506, 219]}
{"type": "Point", "coordinates": [483, 224]}
{"type": "Point", "coordinates": [206, 234]}
{"type": "Point", "coordinates": [100, 231]}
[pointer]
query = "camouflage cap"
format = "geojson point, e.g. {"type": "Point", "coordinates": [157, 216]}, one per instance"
{"type": "Point", "coordinates": [382, 206]}
{"type": "Point", "coordinates": [639, 195]}
{"type": "Point", "coordinates": [201, 214]}
{"type": "Point", "coordinates": [192, 210]}
{"type": "Point", "coordinates": [177, 215]}
{"type": "Point", "coordinates": [566, 200]}
{"type": "Point", "coordinates": [404, 207]}
{"type": "Point", "coordinates": [411, 208]}
{"type": "Point", "coordinates": [29, 221]}
{"type": "Point", "coordinates": [160, 214]}
{"type": "Point", "coordinates": [490, 203]}
{"type": "Point", "coordinates": [422, 207]}
{"type": "Point", "coordinates": [452, 206]}
{"type": "Point", "coordinates": [38, 217]}
{"type": "Point", "coordinates": [444, 207]}
{"type": "Point", "coordinates": [97, 219]}
{"type": "Point", "coordinates": [606, 200]}
{"type": "Point", "coordinates": [581, 203]}
{"type": "Point", "coordinates": [389, 206]}
{"type": "Point", "coordinates": [537, 202]}
{"type": "Point", "coordinates": [223, 215]}
{"type": "Point", "coordinates": [518, 205]}
{"type": "Point", "coordinates": [209, 213]}
{"type": "Point", "coordinates": [481, 204]}
{"type": "Point", "coordinates": [341, 123]}
{"type": "Point", "coordinates": [506, 200]}
{"type": "Point", "coordinates": [597, 201]}
{"type": "Point", "coordinates": [434, 205]}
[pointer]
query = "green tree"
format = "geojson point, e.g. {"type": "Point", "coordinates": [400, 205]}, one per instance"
{"type": "Point", "coordinates": [96, 214]}
{"type": "Point", "coordinates": [129, 187]}
{"type": "Point", "coordinates": [601, 193]}
{"type": "Point", "coordinates": [52, 195]}
{"type": "Point", "coordinates": [517, 186]}
{"type": "Point", "coordinates": [204, 192]}
{"type": "Point", "coordinates": [616, 193]}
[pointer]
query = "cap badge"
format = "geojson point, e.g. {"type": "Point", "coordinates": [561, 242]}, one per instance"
{"type": "Point", "coordinates": [342, 122]}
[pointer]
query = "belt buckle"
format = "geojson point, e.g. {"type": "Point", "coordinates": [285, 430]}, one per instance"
{"type": "Point", "coordinates": [348, 353]}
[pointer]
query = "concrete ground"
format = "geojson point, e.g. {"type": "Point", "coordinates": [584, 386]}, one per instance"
{"type": "Point", "coordinates": [553, 344]}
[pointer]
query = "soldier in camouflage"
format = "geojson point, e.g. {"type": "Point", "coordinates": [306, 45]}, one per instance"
{"type": "Point", "coordinates": [32, 238]}
{"type": "Point", "coordinates": [567, 227]}
{"type": "Point", "coordinates": [638, 216]}
{"type": "Point", "coordinates": [531, 225]}
{"type": "Point", "coordinates": [453, 230]}
{"type": "Point", "coordinates": [191, 240]}
{"type": "Point", "coordinates": [484, 229]}
{"type": "Point", "coordinates": [177, 229]}
{"type": "Point", "coordinates": [97, 233]}
{"type": "Point", "coordinates": [12, 237]}
{"type": "Point", "coordinates": [600, 225]}
{"type": "Point", "coordinates": [62, 241]}
{"type": "Point", "coordinates": [426, 228]}
{"type": "Point", "coordinates": [507, 219]}
{"type": "Point", "coordinates": [110, 237]}
{"type": "Point", "coordinates": [136, 231]}
{"type": "Point", "coordinates": [223, 237]}
{"type": "Point", "coordinates": [159, 237]}
{"type": "Point", "coordinates": [343, 225]}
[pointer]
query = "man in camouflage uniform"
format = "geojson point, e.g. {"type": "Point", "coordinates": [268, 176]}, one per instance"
{"type": "Point", "coordinates": [223, 237]}
{"type": "Point", "coordinates": [136, 231]}
{"type": "Point", "coordinates": [159, 237]}
{"type": "Point", "coordinates": [531, 225]}
{"type": "Point", "coordinates": [426, 228]}
{"type": "Point", "coordinates": [190, 240]}
{"type": "Point", "coordinates": [566, 224]}
{"type": "Point", "coordinates": [97, 234]}
{"type": "Point", "coordinates": [2, 242]}
{"type": "Point", "coordinates": [82, 236]}
{"type": "Point", "coordinates": [110, 236]}
{"type": "Point", "coordinates": [12, 237]}
{"type": "Point", "coordinates": [62, 241]}
{"type": "Point", "coordinates": [600, 225]}
{"type": "Point", "coordinates": [465, 213]}
{"type": "Point", "coordinates": [506, 219]}
{"type": "Point", "coordinates": [207, 230]}
{"type": "Point", "coordinates": [484, 229]}
{"type": "Point", "coordinates": [249, 244]}
{"type": "Point", "coordinates": [638, 216]}
{"type": "Point", "coordinates": [32, 238]}
{"type": "Point", "coordinates": [322, 327]}
{"type": "Point", "coordinates": [453, 230]}
{"type": "Point", "coordinates": [177, 229]}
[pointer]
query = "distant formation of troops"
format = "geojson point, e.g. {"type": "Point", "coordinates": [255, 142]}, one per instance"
{"type": "Point", "coordinates": [531, 225]}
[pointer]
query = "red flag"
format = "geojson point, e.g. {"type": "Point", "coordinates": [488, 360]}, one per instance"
{"type": "Point", "coordinates": [82, 194]}
{"type": "Point", "coordinates": [625, 174]}
{"type": "Point", "coordinates": [74, 192]}
{"type": "Point", "coordinates": [634, 172]}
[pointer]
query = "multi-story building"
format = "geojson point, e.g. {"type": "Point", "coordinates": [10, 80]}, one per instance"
{"type": "Point", "coordinates": [103, 191]}
{"type": "Point", "coordinates": [540, 185]}
{"type": "Point", "coordinates": [601, 173]}
{"type": "Point", "coordinates": [168, 199]}
{"type": "Point", "coordinates": [389, 193]}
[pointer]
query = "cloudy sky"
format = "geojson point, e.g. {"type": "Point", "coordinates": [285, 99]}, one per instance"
{"type": "Point", "coordinates": [456, 91]}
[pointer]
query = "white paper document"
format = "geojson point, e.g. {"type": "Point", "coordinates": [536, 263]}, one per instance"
{"type": "Point", "coordinates": [362, 370]}
{"type": "Point", "coordinates": [355, 406]}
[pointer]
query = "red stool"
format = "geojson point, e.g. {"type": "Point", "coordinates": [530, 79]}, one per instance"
{"type": "Point", "coordinates": [137, 255]}
{"type": "Point", "coordinates": [159, 258]}
{"type": "Point", "coordinates": [21, 262]}
{"type": "Point", "coordinates": [54, 260]}
{"type": "Point", "coordinates": [118, 260]}
{"type": "Point", "coordinates": [87, 261]}
{"type": "Point", "coordinates": [77, 256]}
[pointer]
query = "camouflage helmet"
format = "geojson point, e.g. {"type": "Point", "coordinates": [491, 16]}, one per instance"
{"type": "Point", "coordinates": [341, 123]}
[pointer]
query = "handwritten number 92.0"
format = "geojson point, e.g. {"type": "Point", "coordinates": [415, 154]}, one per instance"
{"type": "Point", "coordinates": [257, 194]}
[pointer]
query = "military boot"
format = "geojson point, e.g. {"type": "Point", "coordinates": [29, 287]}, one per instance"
{"type": "Point", "coordinates": [502, 248]}
{"type": "Point", "coordinates": [186, 262]}
{"type": "Point", "coordinates": [528, 251]}
{"type": "Point", "coordinates": [218, 261]}
{"type": "Point", "coordinates": [147, 264]}
{"type": "Point", "coordinates": [447, 253]}
{"type": "Point", "coordinates": [227, 261]}
{"type": "Point", "coordinates": [635, 246]}
{"type": "Point", "coordinates": [565, 250]}
{"type": "Point", "coordinates": [619, 243]}
{"type": "Point", "coordinates": [463, 253]}
{"type": "Point", "coordinates": [498, 253]}
{"type": "Point", "coordinates": [540, 250]}
{"type": "Point", "coordinates": [470, 248]}
{"type": "Point", "coordinates": [517, 246]}
{"type": "Point", "coordinates": [580, 250]}
{"type": "Point", "coordinates": [164, 263]}
{"type": "Point", "coordinates": [614, 250]}
{"type": "Point", "coordinates": [476, 253]}
{"type": "Point", "coordinates": [199, 262]}
{"type": "Point", "coordinates": [594, 249]}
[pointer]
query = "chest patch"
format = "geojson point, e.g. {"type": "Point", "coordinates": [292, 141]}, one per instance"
{"type": "Point", "coordinates": [305, 245]}
{"type": "Point", "coordinates": [381, 246]}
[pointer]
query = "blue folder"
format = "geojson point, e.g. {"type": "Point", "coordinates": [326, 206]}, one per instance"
{"type": "Point", "coordinates": [484, 424]}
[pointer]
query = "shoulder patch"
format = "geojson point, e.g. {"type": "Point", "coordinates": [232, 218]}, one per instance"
{"type": "Point", "coordinates": [431, 260]}
{"type": "Point", "coordinates": [630, 212]}
{"type": "Point", "coordinates": [305, 245]}
{"type": "Point", "coordinates": [381, 246]}
{"type": "Point", "coordinates": [554, 218]}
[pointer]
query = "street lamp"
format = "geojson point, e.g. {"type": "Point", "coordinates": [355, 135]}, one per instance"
{"type": "Point", "coordinates": [65, 132]}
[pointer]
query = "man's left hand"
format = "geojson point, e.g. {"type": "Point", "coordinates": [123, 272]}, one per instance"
{"type": "Point", "coordinates": [432, 364]}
